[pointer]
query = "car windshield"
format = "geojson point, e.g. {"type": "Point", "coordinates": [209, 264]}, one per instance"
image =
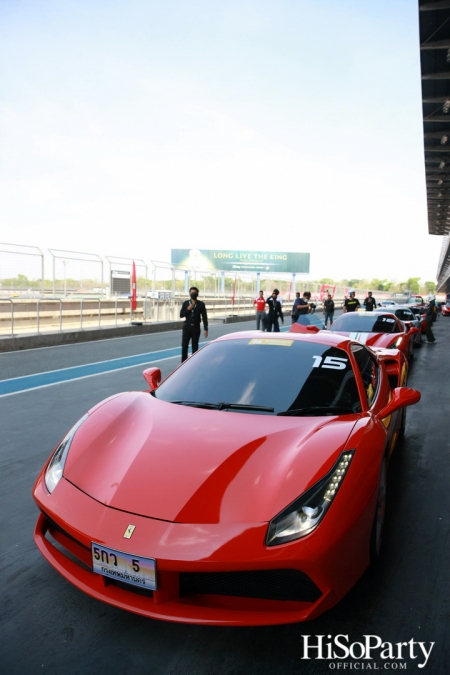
{"type": "Point", "coordinates": [265, 376]}
{"type": "Point", "coordinates": [360, 322]}
{"type": "Point", "coordinates": [404, 314]}
{"type": "Point", "coordinates": [310, 320]}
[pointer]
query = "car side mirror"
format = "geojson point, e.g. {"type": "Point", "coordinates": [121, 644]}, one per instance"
{"type": "Point", "coordinates": [312, 329]}
{"type": "Point", "coordinates": [401, 397]}
{"type": "Point", "coordinates": [153, 377]}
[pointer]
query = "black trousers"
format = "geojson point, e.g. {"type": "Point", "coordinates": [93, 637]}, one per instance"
{"type": "Point", "coordinates": [430, 335]}
{"type": "Point", "coordinates": [273, 325]}
{"type": "Point", "coordinates": [189, 333]}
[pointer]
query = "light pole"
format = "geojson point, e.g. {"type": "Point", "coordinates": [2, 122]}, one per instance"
{"type": "Point", "coordinates": [65, 262]}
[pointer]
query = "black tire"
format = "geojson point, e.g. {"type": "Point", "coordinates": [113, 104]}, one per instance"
{"type": "Point", "coordinates": [378, 523]}
{"type": "Point", "coordinates": [402, 429]}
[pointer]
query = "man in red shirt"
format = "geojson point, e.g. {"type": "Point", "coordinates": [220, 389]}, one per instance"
{"type": "Point", "coordinates": [260, 307]}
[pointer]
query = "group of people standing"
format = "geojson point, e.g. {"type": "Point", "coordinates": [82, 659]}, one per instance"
{"type": "Point", "coordinates": [351, 304]}
{"type": "Point", "coordinates": [269, 321]}
{"type": "Point", "coordinates": [303, 305]}
{"type": "Point", "coordinates": [194, 311]}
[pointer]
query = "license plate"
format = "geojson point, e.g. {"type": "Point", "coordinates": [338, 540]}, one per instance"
{"type": "Point", "coordinates": [131, 569]}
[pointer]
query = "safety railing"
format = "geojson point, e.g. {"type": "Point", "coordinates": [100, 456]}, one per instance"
{"type": "Point", "coordinates": [41, 315]}
{"type": "Point", "coordinates": [19, 317]}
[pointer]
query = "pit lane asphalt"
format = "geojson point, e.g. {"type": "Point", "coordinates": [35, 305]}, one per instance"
{"type": "Point", "coordinates": [48, 626]}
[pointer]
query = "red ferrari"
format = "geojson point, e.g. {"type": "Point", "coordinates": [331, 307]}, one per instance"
{"type": "Point", "coordinates": [445, 309]}
{"type": "Point", "coordinates": [377, 329]}
{"type": "Point", "coordinates": [248, 488]}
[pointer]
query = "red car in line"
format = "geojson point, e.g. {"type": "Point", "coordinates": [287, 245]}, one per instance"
{"type": "Point", "coordinates": [377, 329]}
{"type": "Point", "coordinates": [219, 498]}
{"type": "Point", "coordinates": [445, 309]}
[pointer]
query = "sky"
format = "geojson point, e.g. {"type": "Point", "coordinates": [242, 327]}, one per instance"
{"type": "Point", "coordinates": [131, 128]}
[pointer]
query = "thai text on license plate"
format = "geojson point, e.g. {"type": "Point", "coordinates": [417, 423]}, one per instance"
{"type": "Point", "coordinates": [131, 569]}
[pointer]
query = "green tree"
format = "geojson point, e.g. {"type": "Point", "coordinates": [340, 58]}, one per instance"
{"type": "Point", "coordinates": [430, 286]}
{"type": "Point", "coordinates": [381, 284]}
{"type": "Point", "coordinates": [413, 285]}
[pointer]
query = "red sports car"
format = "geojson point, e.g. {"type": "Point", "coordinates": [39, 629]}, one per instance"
{"type": "Point", "coordinates": [377, 329]}
{"type": "Point", "coordinates": [248, 488]}
{"type": "Point", "coordinates": [445, 309]}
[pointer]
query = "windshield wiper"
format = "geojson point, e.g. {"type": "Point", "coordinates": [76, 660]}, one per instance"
{"type": "Point", "coordinates": [317, 409]}
{"type": "Point", "coordinates": [225, 406]}
{"type": "Point", "coordinates": [244, 406]}
{"type": "Point", "coordinates": [198, 404]}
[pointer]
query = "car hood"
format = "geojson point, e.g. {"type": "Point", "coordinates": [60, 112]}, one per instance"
{"type": "Point", "coordinates": [189, 465]}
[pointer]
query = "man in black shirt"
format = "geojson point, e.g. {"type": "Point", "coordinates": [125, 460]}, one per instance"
{"type": "Point", "coordinates": [369, 302]}
{"type": "Point", "coordinates": [328, 309]}
{"type": "Point", "coordinates": [193, 311]}
{"type": "Point", "coordinates": [303, 306]}
{"type": "Point", "coordinates": [351, 303]}
{"type": "Point", "coordinates": [430, 313]}
{"type": "Point", "coordinates": [275, 311]}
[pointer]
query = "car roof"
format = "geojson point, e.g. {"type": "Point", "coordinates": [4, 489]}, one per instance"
{"type": "Point", "coordinates": [384, 311]}
{"type": "Point", "coordinates": [388, 310]}
{"type": "Point", "coordinates": [362, 312]}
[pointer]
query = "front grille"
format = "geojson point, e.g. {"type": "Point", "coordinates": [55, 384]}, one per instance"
{"type": "Point", "coordinates": [262, 584]}
{"type": "Point", "coordinates": [130, 588]}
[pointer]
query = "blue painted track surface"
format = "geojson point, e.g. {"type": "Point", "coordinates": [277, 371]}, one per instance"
{"type": "Point", "coordinates": [19, 384]}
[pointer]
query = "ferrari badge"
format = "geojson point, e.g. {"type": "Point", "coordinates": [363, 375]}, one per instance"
{"type": "Point", "coordinates": [129, 531]}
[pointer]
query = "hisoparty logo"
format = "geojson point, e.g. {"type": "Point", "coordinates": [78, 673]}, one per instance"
{"type": "Point", "coordinates": [370, 654]}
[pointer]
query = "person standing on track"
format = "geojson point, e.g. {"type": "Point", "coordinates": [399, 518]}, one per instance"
{"type": "Point", "coordinates": [260, 308]}
{"type": "Point", "coordinates": [328, 309]}
{"type": "Point", "coordinates": [304, 305]}
{"type": "Point", "coordinates": [369, 302]}
{"type": "Point", "coordinates": [193, 311]}
{"type": "Point", "coordinates": [351, 304]}
{"type": "Point", "coordinates": [429, 319]}
{"type": "Point", "coordinates": [275, 312]}
{"type": "Point", "coordinates": [294, 313]}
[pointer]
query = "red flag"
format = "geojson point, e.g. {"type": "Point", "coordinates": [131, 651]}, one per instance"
{"type": "Point", "coordinates": [133, 288]}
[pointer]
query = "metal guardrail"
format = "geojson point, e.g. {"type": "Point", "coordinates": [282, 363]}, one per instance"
{"type": "Point", "coordinates": [42, 315]}
{"type": "Point", "coordinates": [45, 315]}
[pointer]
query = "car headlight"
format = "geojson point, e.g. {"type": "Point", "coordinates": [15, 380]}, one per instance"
{"type": "Point", "coordinates": [396, 344]}
{"type": "Point", "coordinates": [55, 466]}
{"type": "Point", "coordinates": [304, 515]}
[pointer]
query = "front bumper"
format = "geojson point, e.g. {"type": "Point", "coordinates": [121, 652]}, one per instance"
{"type": "Point", "coordinates": [220, 574]}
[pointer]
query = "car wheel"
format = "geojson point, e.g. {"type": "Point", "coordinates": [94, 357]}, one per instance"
{"type": "Point", "coordinates": [378, 523]}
